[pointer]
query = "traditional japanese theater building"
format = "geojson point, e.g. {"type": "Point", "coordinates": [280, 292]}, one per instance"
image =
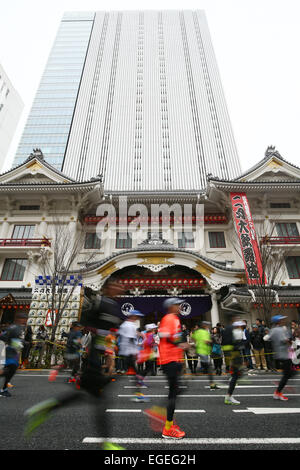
{"type": "Point", "coordinates": [204, 267]}
{"type": "Point", "coordinates": [133, 129]}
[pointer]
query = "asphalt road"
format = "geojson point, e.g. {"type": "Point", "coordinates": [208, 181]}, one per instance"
{"type": "Point", "coordinates": [259, 422]}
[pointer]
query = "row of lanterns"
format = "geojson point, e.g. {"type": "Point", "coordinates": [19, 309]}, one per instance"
{"type": "Point", "coordinates": [209, 219]}
{"type": "Point", "coordinates": [15, 306]}
{"type": "Point", "coordinates": [280, 305]}
{"type": "Point", "coordinates": [162, 282]}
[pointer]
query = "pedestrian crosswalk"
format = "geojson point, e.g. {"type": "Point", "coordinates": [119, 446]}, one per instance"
{"type": "Point", "coordinates": [258, 421]}
{"type": "Point", "coordinates": [205, 418]}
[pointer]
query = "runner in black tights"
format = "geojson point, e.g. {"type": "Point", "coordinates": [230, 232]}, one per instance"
{"type": "Point", "coordinates": [99, 314]}
{"type": "Point", "coordinates": [13, 338]}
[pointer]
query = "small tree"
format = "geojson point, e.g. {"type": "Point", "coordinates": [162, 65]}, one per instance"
{"type": "Point", "coordinates": [266, 291]}
{"type": "Point", "coordinates": [59, 263]}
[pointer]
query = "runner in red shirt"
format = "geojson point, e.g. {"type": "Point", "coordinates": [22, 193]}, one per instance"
{"type": "Point", "coordinates": [171, 349]}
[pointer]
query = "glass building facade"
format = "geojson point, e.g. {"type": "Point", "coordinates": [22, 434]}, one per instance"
{"type": "Point", "coordinates": [49, 121]}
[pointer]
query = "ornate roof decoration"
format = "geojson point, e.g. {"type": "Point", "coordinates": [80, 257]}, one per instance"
{"type": "Point", "coordinates": [154, 240]}
{"type": "Point", "coordinates": [35, 153]}
{"type": "Point", "coordinates": [272, 152]}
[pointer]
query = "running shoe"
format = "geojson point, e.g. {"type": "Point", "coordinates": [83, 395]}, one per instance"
{"type": "Point", "coordinates": [231, 401]}
{"type": "Point", "coordinates": [157, 417]}
{"type": "Point", "coordinates": [140, 397]}
{"type": "Point", "coordinates": [78, 382]}
{"type": "Point", "coordinates": [53, 375]}
{"type": "Point", "coordinates": [38, 414]}
{"type": "Point", "coordinates": [10, 385]}
{"type": "Point", "coordinates": [140, 381]}
{"type": "Point", "coordinates": [72, 380]}
{"type": "Point", "coordinates": [173, 433]}
{"type": "Point", "coordinates": [279, 396]}
{"type": "Point", "coordinates": [5, 393]}
{"type": "Point", "coordinates": [215, 387]}
{"type": "Point", "coordinates": [111, 446]}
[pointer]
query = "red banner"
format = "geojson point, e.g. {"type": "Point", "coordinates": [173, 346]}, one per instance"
{"type": "Point", "coordinates": [247, 237]}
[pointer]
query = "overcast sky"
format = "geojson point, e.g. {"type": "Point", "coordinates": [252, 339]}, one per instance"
{"type": "Point", "coordinates": [257, 45]}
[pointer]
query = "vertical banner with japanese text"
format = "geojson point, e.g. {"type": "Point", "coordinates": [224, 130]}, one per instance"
{"type": "Point", "coordinates": [247, 238]}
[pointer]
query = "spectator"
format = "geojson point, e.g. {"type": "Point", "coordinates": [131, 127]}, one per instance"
{"type": "Point", "coordinates": [296, 348]}
{"type": "Point", "coordinates": [41, 337]}
{"type": "Point", "coordinates": [27, 346]}
{"type": "Point", "coordinates": [247, 347]}
{"type": "Point", "coordinates": [256, 338]}
{"type": "Point", "coordinates": [191, 352]}
{"type": "Point", "coordinates": [260, 326]}
{"type": "Point", "coordinates": [294, 327]}
{"type": "Point", "coordinates": [216, 352]}
{"type": "Point", "coordinates": [269, 351]}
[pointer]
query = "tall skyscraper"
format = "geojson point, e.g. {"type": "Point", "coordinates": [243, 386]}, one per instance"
{"type": "Point", "coordinates": [11, 107]}
{"type": "Point", "coordinates": [136, 97]}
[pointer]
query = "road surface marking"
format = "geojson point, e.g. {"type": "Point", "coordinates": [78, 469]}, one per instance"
{"type": "Point", "coordinates": [269, 411]}
{"type": "Point", "coordinates": [188, 441]}
{"type": "Point", "coordinates": [123, 411]}
{"type": "Point", "coordinates": [245, 386]}
{"type": "Point", "coordinates": [120, 410]}
{"type": "Point", "coordinates": [212, 395]}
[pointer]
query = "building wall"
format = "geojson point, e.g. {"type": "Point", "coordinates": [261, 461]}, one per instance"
{"type": "Point", "coordinates": [150, 99]}
{"type": "Point", "coordinates": [11, 107]}
{"type": "Point", "coordinates": [49, 121]}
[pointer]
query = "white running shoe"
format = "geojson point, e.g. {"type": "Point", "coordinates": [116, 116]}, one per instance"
{"type": "Point", "coordinates": [229, 400]}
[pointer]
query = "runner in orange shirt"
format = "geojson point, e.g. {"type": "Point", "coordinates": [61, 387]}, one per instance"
{"type": "Point", "coordinates": [171, 358]}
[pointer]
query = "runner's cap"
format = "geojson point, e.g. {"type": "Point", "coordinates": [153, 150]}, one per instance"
{"type": "Point", "coordinates": [135, 313]}
{"type": "Point", "coordinates": [151, 326]}
{"type": "Point", "coordinates": [239, 323]}
{"type": "Point", "coordinates": [172, 301]}
{"type": "Point", "coordinates": [277, 318]}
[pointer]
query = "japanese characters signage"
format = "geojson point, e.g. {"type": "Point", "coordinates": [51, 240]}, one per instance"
{"type": "Point", "coordinates": [247, 237]}
{"type": "Point", "coordinates": [66, 296]}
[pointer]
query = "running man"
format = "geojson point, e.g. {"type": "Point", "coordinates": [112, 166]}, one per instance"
{"type": "Point", "coordinates": [13, 338]}
{"type": "Point", "coordinates": [203, 341]}
{"type": "Point", "coordinates": [72, 354]}
{"type": "Point", "coordinates": [281, 340]}
{"type": "Point", "coordinates": [110, 351]}
{"type": "Point", "coordinates": [171, 349]}
{"type": "Point", "coordinates": [232, 338]}
{"type": "Point", "coordinates": [148, 354]}
{"type": "Point", "coordinates": [129, 349]}
{"type": "Point", "coordinates": [99, 314]}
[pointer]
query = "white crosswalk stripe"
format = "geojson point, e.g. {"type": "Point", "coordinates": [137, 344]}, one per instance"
{"type": "Point", "coordinates": [188, 441]}
{"type": "Point", "coordinates": [213, 395]}
{"type": "Point", "coordinates": [269, 411]}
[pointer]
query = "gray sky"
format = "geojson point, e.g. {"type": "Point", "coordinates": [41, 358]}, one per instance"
{"type": "Point", "coordinates": [257, 44]}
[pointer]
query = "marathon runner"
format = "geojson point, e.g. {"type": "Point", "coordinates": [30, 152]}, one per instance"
{"type": "Point", "coordinates": [13, 337]}
{"type": "Point", "coordinates": [99, 314]}
{"type": "Point", "coordinates": [171, 349]}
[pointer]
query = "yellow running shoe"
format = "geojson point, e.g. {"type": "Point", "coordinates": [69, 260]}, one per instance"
{"type": "Point", "coordinates": [111, 446]}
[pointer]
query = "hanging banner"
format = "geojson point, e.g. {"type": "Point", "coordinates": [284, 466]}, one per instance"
{"type": "Point", "coordinates": [247, 238]}
{"type": "Point", "coordinates": [190, 307]}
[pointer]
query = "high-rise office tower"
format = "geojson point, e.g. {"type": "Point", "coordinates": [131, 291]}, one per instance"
{"type": "Point", "coordinates": [11, 107]}
{"type": "Point", "coordinates": [136, 97]}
